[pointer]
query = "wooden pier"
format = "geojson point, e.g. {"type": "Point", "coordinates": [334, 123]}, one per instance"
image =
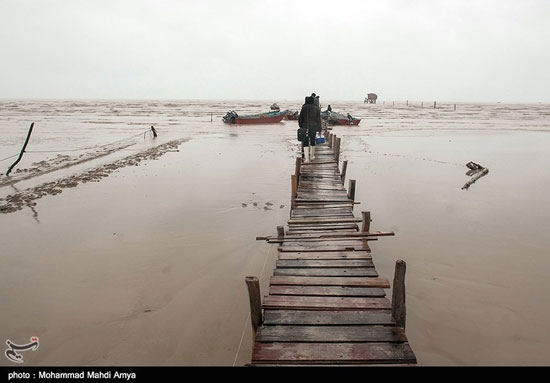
{"type": "Point", "coordinates": [326, 303]}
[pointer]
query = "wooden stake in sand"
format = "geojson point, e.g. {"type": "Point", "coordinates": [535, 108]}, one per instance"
{"type": "Point", "coordinates": [22, 150]}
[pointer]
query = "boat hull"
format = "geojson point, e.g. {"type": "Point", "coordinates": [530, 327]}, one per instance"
{"type": "Point", "coordinates": [343, 121]}
{"type": "Point", "coordinates": [264, 118]}
{"type": "Point", "coordinates": [259, 120]}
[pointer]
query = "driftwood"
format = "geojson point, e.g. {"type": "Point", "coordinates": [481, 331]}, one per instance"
{"type": "Point", "coordinates": [477, 171]}
{"type": "Point", "coordinates": [22, 150]}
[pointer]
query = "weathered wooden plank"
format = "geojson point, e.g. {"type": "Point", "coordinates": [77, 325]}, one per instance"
{"type": "Point", "coordinates": [328, 353]}
{"type": "Point", "coordinates": [328, 318]}
{"type": "Point", "coordinates": [333, 334]}
{"type": "Point", "coordinates": [336, 291]}
{"type": "Point", "coordinates": [326, 272]}
{"type": "Point", "coordinates": [318, 240]}
{"type": "Point", "coordinates": [323, 200]}
{"type": "Point", "coordinates": [322, 212]}
{"type": "Point", "coordinates": [306, 263]}
{"type": "Point", "coordinates": [322, 206]}
{"type": "Point", "coordinates": [328, 226]}
{"type": "Point", "coordinates": [328, 242]}
{"type": "Point", "coordinates": [326, 255]}
{"type": "Point", "coordinates": [324, 248]}
{"type": "Point", "coordinates": [324, 303]}
{"type": "Point", "coordinates": [329, 281]}
{"type": "Point", "coordinates": [313, 203]}
{"type": "Point", "coordinates": [308, 186]}
{"type": "Point", "coordinates": [322, 194]}
{"type": "Point", "coordinates": [306, 233]}
{"type": "Point", "coordinates": [333, 236]}
{"type": "Point", "coordinates": [323, 220]}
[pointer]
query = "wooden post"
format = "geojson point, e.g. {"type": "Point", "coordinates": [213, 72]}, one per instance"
{"type": "Point", "coordinates": [455, 108]}
{"type": "Point", "coordinates": [330, 140]}
{"type": "Point", "coordinates": [211, 117]}
{"type": "Point", "coordinates": [280, 231]}
{"type": "Point", "coordinates": [398, 309]}
{"type": "Point", "coordinates": [22, 150]}
{"type": "Point", "coordinates": [422, 104]}
{"type": "Point", "coordinates": [344, 169]}
{"type": "Point", "coordinates": [298, 168]}
{"type": "Point", "coordinates": [434, 104]}
{"type": "Point", "coordinates": [337, 150]}
{"type": "Point", "coordinates": [407, 102]}
{"type": "Point", "coordinates": [294, 189]}
{"type": "Point", "coordinates": [366, 221]}
{"type": "Point", "coordinates": [333, 146]}
{"type": "Point", "coordinates": [351, 190]}
{"type": "Point", "coordinates": [254, 296]}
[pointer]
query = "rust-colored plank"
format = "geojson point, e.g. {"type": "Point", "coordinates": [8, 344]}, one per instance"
{"type": "Point", "coordinates": [328, 318]}
{"type": "Point", "coordinates": [330, 281]}
{"type": "Point", "coordinates": [330, 334]}
{"type": "Point", "coordinates": [324, 303]}
{"type": "Point", "coordinates": [329, 353]}
{"type": "Point", "coordinates": [337, 291]}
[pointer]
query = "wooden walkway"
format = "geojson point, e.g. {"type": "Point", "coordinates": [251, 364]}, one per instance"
{"type": "Point", "coordinates": [326, 303]}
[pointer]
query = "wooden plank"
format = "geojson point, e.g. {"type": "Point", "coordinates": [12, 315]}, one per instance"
{"type": "Point", "coordinates": [328, 242]}
{"type": "Point", "coordinates": [323, 220]}
{"type": "Point", "coordinates": [326, 255]}
{"type": "Point", "coordinates": [326, 200]}
{"type": "Point", "coordinates": [328, 353]}
{"type": "Point", "coordinates": [288, 302]}
{"type": "Point", "coordinates": [333, 226]}
{"type": "Point", "coordinates": [323, 212]}
{"type": "Point", "coordinates": [306, 263]}
{"type": "Point", "coordinates": [332, 334]}
{"type": "Point", "coordinates": [336, 291]}
{"type": "Point", "coordinates": [330, 281]}
{"type": "Point", "coordinates": [306, 233]}
{"type": "Point", "coordinates": [323, 248]}
{"type": "Point", "coordinates": [334, 236]}
{"type": "Point", "coordinates": [326, 272]}
{"type": "Point", "coordinates": [328, 318]}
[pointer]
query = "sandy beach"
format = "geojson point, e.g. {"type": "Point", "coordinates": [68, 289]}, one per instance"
{"type": "Point", "coordinates": [129, 250]}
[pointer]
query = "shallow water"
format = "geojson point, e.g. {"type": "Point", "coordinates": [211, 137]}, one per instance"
{"type": "Point", "coordinates": [147, 265]}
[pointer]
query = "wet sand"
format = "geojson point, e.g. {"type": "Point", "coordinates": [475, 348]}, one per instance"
{"type": "Point", "coordinates": [147, 266]}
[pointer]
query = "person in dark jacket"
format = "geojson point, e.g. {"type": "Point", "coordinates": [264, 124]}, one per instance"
{"type": "Point", "coordinates": [310, 118]}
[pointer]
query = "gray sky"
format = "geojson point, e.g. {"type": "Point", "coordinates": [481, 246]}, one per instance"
{"type": "Point", "coordinates": [447, 50]}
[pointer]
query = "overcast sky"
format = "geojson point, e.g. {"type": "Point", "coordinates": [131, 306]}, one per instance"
{"type": "Point", "coordinates": [447, 50]}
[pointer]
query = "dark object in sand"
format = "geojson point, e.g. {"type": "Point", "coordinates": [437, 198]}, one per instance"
{"type": "Point", "coordinates": [22, 150]}
{"type": "Point", "coordinates": [477, 171]}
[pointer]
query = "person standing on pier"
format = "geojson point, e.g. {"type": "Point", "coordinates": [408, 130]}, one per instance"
{"type": "Point", "coordinates": [310, 119]}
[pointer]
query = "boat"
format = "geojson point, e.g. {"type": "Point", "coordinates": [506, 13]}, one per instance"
{"type": "Point", "coordinates": [335, 118]}
{"type": "Point", "coordinates": [262, 118]}
{"type": "Point", "coordinates": [291, 115]}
